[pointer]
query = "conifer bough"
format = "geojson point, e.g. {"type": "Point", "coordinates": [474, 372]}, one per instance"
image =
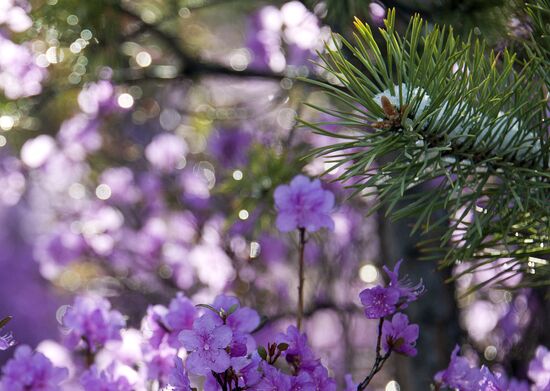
{"type": "Point", "coordinates": [444, 123]}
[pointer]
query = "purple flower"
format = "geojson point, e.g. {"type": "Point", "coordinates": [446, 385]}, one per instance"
{"type": "Point", "coordinates": [321, 379]}
{"type": "Point", "coordinates": [90, 319]}
{"type": "Point", "coordinates": [303, 204]}
{"type": "Point", "coordinates": [273, 379]}
{"type": "Point", "coordinates": [247, 370]}
{"type": "Point", "coordinates": [179, 381]}
{"type": "Point", "coordinates": [180, 316]}
{"type": "Point", "coordinates": [31, 371]}
{"type": "Point", "coordinates": [153, 326]}
{"type": "Point", "coordinates": [407, 291]}
{"type": "Point", "coordinates": [298, 354]}
{"type": "Point", "coordinates": [107, 380]}
{"type": "Point", "coordinates": [399, 336]}
{"type": "Point", "coordinates": [241, 320]}
{"type": "Point", "coordinates": [518, 385]}
{"type": "Point", "coordinates": [379, 302]}
{"type": "Point", "coordinates": [491, 382]}
{"type": "Point", "coordinates": [165, 324]}
{"type": "Point", "coordinates": [459, 374]}
{"type": "Point", "coordinates": [207, 343]}
{"type": "Point", "coordinates": [539, 368]}
{"type": "Point", "coordinates": [166, 151]}
{"type": "Point", "coordinates": [159, 361]}
{"type": "Point", "coordinates": [6, 341]}
{"type": "Point", "coordinates": [301, 382]}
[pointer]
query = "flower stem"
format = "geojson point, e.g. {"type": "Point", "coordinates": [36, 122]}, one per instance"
{"type": "Point", "coordinates": [88, 353]}
{"type": "Point", "coordinates": [379, 361]}
{"type": "Point", "coordinates": [300, 313]}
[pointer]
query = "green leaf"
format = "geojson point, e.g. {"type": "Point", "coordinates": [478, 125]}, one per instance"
{"type": "Point", "coordinates": [282, 346]}
{"type": "Point", "coordinates": [262, 352]}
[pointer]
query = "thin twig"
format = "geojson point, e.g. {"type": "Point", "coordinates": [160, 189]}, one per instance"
{"type": "Point", "coordinates": [379, 361]}
{"type": "Point", "coordinates": [300, 314]}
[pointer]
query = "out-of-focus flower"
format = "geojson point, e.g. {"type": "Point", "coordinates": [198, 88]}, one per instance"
{"type": "Point", "coordinates": [106, 380]}
{"type": "Point", "coordinates": [91, 320]}
{"type": "Point", "coordinates": [80, 136]}
{"type": "Point", "coordinates": [36, 151]}
{"type": "Point", "coordinates": [120, 181]}
{"type": "Point", "coordinates": [539, 368]}
{"type": "Point", "coordinates": [273, 379]}
{"type": "Point", "coordinates": [60, 247]}
{"type": "Point", "coordinates": [166, 151]}
{"type": "Point", "coordinates": [230, 146]}
{"type": "Point", "coordinates": [179, 381]}
{"type": "Point", "coordinates": [97, 98]}
{"type": "Point", "coordinates": [303, 204]}
{"type": "Point", "coordinates": [517, 385]}
{"type": "Point", "coordinates": [400, 336]}
{"type": "Point", "coordinates": [20, 77]}
{"type": "Point", "coordinates": [379, 302]}
{"type": "Point", "coordinates": [207, 257]}
{"type": "Point", "coordinates": [321, 380]}
{"type": "Point", "coordinates": [31, 371]}
{"type": "Point", "coordinates": [195, 189]}
{"type": "Point", "coordinates": [291, 35]}
{"type": "Point", "coordinates": [207, 343]}
{"type": "Point", "coordinates": [14, 15]}
{"type": "Point", "coordinates": [159, 361]}
{"type": "Point", "coordinates": [459, 374]}
{"type": "Point", "coordinates": [377, 12]}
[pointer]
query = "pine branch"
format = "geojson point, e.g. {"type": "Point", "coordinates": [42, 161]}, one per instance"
{"type": "Point", "coordinates": [465, 126]}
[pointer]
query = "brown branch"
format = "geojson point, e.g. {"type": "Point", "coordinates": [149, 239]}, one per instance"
{"type": "Point", "coordinates": [191, 66]}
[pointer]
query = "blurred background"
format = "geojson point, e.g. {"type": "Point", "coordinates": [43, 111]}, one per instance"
{"type": "Point", "coordinates": [140, 144]}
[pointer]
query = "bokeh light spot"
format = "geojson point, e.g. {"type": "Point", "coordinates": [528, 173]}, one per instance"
{"type": "Point", "coordinates": [392, 386]}
{"type": "Point", "coordinates": [143, 59]}
{"type": "Point", "coordinates": [103, 192]}
{"type": "Point", "coordinates": [368, 273]}
{"type": "Point", "coordinates": [125, 100]}
{"type": "Point", "coordinates": [238, 175]}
